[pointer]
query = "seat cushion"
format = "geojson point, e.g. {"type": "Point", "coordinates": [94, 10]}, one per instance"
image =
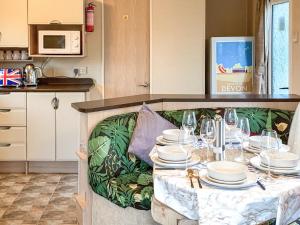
{"type": "Point", "coordinates": [132, 189]}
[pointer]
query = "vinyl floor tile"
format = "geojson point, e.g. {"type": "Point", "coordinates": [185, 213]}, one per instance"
{"type": "Point", "coordinates": [38, 199]}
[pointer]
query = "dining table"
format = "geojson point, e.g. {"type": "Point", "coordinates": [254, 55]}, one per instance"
{"type": "Point", "coordinates": [210, 205]}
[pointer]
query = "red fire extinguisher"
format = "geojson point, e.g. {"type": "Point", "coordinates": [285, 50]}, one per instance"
{"type": "Point", "coordinates": [89, 17]}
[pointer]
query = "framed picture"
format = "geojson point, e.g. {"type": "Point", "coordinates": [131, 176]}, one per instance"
{"type": "Point", "coordinates": [232, 65]}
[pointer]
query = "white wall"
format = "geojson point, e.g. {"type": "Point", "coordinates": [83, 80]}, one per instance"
{"type": "Point", "coordinates": [177, 46]}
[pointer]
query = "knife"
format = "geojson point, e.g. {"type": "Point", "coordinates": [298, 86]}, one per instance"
{"type": "Point", "coordinates": [260, 184]}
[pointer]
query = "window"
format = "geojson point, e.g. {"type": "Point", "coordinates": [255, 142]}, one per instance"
{"type": "Point", "coordinates": [279, 63]}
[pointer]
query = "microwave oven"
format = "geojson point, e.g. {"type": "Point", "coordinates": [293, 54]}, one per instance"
{"type": "Point", "coordinates": [59, 42]}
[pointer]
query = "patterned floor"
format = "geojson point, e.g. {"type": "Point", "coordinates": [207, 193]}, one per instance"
{"type": "Point", "coordinates": [37, 199]}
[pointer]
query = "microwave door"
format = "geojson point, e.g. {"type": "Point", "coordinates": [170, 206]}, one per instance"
{"type": "Point", "coordinates": [54, 44]}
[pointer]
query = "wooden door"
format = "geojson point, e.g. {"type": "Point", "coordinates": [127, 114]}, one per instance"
{"type": "Point", "coordinates": [67, 126]}
{"type": "Point", "coordinates": [13, 23]}
{"type": "Point", "coordinates": [126, 47]}
{"type": "Point", "coordinates": [40, 127]}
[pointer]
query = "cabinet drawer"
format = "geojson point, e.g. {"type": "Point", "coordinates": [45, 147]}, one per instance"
{"type": "Point", "coordinates": [13, 117]}
{"type": "Point", "coordinates": [12, 152]}
{"type": "Point", "coordinates": [13, 135]}
{"type": "Point", "coordinates": [12, 100]}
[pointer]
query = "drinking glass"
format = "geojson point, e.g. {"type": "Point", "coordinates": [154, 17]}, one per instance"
{"type": "Point", "coordinates": [183, 137]}
{"type": "Point", "coordinates": [189, 123]}
{"type": "Point", "coordinates": [243, 136]}
{"type": "Point", "coordinates": [231, 121]}
{"type": "Point", "coordinates": [208, 134]}
{"type": "Point", "coordinates": [269, 145]}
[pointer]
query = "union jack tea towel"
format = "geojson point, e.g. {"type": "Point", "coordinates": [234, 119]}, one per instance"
{"type": "Point", "coordinates": [10, 77]}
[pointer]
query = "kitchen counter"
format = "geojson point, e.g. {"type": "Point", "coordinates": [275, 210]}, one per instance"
{"type": "Point", "coordinates": [115, 103]}
{"type": "Point", "coordinates": [55, 85]}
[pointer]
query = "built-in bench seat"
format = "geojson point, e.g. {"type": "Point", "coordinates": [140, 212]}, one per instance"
{"type": "Point", "coordinates": [127, 181]}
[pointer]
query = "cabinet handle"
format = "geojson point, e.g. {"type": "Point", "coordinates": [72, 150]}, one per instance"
{"type": "Point", "coordinates": [5, 128]}
{"type": "Point", "coordinates": [4, 93]}
{"type": "Point", "coordinates": [5, 110]}
{"type": "Point", "coordinates": [3, 145]}
{"type": "Point", "coordinates": [55, 103]}
{"type": "Point", "coordinates": [54, 22]}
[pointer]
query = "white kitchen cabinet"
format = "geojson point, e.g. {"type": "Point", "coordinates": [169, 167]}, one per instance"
{"type": "Point", "coordinates": [55, 11]}
{"type": "Point", "coordinates": [67, 126]}
{"type": "Point", "coordinates": [13, 24]}
{"type": "Point", "coordinates": [53, 133]}
{"type": "Point", "coordinates": [40, 127]}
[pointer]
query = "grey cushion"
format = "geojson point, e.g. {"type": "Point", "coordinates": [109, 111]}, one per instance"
{"type": "Point", "coordinates": [149, 125]}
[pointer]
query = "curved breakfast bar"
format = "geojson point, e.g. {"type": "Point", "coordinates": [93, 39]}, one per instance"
{"type": "Point", "coordinates": [93, 208]}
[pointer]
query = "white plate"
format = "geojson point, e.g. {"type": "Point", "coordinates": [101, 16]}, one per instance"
{"type": "Point", "coordinates": [280, 159]}
{"type": "Point", "coordinates": [174, 152]}
{"type": "Point", "coordinates": [162, 141]}
{"type": "Point", "coordinates": [171, 134]}
{"type": "Point", "coordinates": [255, 161]}
{"type": "Point", "coordinates": [284, 148]}
{"type": "Point", "coordinates": [250, 181]}
{"type": "Point", "coordinates": [255, 141]}
{"type": "Point", "coordinates": [174, 162]}
{"type": "Point", "coordinates": [195, 159]}
{"type": "Point", "coordinates": [227, 171]}
{"type": "Point", "coordinates": [225, 182]}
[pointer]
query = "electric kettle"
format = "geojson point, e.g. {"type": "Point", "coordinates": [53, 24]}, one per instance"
{"type": "Point", "coordinates": [32, 73]}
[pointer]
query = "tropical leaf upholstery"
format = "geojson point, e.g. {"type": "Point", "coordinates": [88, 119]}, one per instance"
{"type": "Point", "coordinates": [126, 180]}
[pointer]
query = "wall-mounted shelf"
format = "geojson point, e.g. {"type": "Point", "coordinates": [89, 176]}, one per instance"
{"type": "Point", "coordinates": [16, 61]}
{"type": "Point", "coordinates": [33, 39]}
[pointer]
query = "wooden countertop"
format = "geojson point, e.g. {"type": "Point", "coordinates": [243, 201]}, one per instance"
{"type": "Point", "coordinates": [114, 103]}
{"type": "Point", "coordinates": [55, 85]}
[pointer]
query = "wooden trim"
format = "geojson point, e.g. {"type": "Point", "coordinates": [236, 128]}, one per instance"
{"type": "Point", "coordinates": [39, 167]}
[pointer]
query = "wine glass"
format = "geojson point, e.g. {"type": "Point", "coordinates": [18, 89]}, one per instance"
{"type": "Point", "coordinates": [231, 121]}
{"type": "Point", "coordinates": [243, 136]}
{"type": "Point", "coordinates": [208, 134]}
{"type": "Point", "coordinates": [182, 143]}
{"type": "Point", "coordinates": [189, 123]}
{"type": "Point", "coordinates": [269, 145]}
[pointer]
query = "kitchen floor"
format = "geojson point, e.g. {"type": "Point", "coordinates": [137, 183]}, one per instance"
{"type": "Point", "coordinates": [37, 199]}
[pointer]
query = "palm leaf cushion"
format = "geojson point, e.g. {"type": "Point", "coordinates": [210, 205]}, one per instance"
{"type": "Point", "coordinates": [126, 180]}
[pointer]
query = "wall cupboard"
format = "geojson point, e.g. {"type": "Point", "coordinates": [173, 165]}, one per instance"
{"type": "Point", "coordinates": [13, 24]}
{"type": "Point", "coordinates": [55, 11]}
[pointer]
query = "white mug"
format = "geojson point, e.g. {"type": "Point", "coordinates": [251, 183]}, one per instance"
{"type": "Point", "coordinates": [2, 55]}
{"type": "Point", "coordinates": [8, 55]}
{"type": "Point", "coordinates": [16, 55]}
{"type": "Point", "coordinates": [24, 55]}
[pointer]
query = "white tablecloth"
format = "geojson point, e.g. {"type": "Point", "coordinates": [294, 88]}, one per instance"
{"type": "Point", "coordinates": [215, 206]}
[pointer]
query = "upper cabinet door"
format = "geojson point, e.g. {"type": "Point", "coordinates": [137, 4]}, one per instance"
{"type": "Point", "coordinates": [13, 24]}
{"type": "Point", "coordinates": [67, 126]}
{"type": "Point", "coordinates": [55, 11]}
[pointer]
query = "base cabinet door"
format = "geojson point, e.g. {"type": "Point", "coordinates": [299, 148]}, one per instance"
{"type": "Point", "coordinates": [40, 127]}
{"type": "Point", "coordinates": [67, 126]}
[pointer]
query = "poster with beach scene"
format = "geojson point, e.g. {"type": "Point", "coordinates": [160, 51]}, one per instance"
{"type": "Point", "coordinates": [232, 65]}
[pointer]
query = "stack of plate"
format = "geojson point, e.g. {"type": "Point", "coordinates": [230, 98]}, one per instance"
{"type": "Point", "coordinates": [171, 137]}
{"type": "Point", "coordinates": [228, 174]}
{"type": "Point", "coordinates": [255, 145]}
{"type": "Point", "coordinates": [175, 156]}
{"type": "Point", "coordinates": [280, 162]}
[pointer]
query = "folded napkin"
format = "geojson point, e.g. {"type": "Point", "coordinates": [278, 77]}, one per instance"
{"type": "Point", "coordinates": [294, 136]}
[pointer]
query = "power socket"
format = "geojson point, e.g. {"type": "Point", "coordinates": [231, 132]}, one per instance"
{"type": "Point", "coordinates": [82, 70]}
